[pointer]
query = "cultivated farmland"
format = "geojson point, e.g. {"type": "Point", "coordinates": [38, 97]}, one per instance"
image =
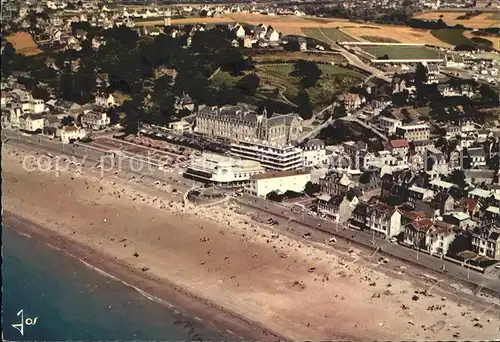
{"type": "Point", "coordinates": [333, 28]}
{"type": "Point", "coordinates": [480, 21]}
{"type": "Point", "coordinates": [327, 34]}
{"type": "Point", "coordinates": [402, 34]}
{"type": "Point", "coordinates": [23, 43]}
{"type": "Point", "coordinates": [377, 39]}
{"type": "Point", "coordinates": [403, 52]}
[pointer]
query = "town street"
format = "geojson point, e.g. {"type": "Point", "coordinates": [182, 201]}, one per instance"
{"type": "Point", "coordinates": [369, 240]}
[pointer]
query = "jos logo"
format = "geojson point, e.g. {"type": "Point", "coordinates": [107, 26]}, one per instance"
{"type": "Point", "coordinates": [27, 321]}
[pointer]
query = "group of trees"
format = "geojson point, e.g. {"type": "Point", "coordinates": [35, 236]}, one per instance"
{"type": "Point", "coordinates": [134, 65]}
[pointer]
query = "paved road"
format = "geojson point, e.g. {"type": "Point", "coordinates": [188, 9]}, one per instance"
{"type": "Point", "coordinates": [368, 126]}
{"type": "Point", "coordinates": [367, 239]}
{"type": "Point", "coordinates": [311, 134]}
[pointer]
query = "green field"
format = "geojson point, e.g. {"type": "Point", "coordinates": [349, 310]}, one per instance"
{"type": "Point", "coordinates": [451, 36]}
{"type": "Point", "coordinates": [379, 39]}
{"type": "Point", "coordinates": [403, 52]}
{"type": "Point", "coordinates": [334, 79]}
{"type": "Point", "coordinates": [327, 34]}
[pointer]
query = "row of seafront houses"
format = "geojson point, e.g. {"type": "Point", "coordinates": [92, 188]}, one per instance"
{"type": "Point", "coordinates": [429, 215]}
{"type": "Point", "coordinates": [21, 111]}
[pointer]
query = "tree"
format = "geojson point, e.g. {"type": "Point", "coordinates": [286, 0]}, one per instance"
{"type": "Point", "coordinates": [40, 93]}
{"type": "Point", "coordinates": [458, 177]}
{"type": "Point", "coordinates": [274, 196]}
{"type": "Point", "coordinates": [249, 84]}
{"type": "Point", "coordinates": [113, 115]}
{"type": "Point", "coordinates": [311, 188]}
{"type": "Point", "coordinates": [420, 76]}
{"type": "Point", "coordinates": [68, 121]}
{"type": "Point", "coordinates": [292, 45]}
{"type": "Point", "coordinates": [308, 72]}
{"type": "Point", "coordinates": [305, 107]}
{"type": "Point", "coordinates": [339, 111]}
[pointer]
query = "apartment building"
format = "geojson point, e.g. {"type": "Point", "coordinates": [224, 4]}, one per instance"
{"type": "Point", "coordinates": [414, 132]}
{"type": "Point", "coordinates": [486, 241]}
{"type": "Point", "coordinates": [439, 238]}
{"type": "Point", "coordinates": [384, 220]}
{"type": "Point", "coordinates": [95, 121]}
{"type": "Point", "coordinates": [399, 146]}
{"type": "Point", "coordinates": [31, 123]}
{"type": "Point", "coordinates": [70, 133]}
{"type": "Point", "coordinates": [389, 125]}
{"type": "Point", "coordinates": [314, 153]}
{"type": "Point", "coordinates": [415, 232]}
{"type": "Point", "coordinates": [336, 184]}
{"type": "Point", "coordinates": [262, 184]}
{"type": "Point", "coordinates": [276, 158]}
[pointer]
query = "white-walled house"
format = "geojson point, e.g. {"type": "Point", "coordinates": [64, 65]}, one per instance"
{"type": "Point", "coordinates": [69, 133]}
{"type": "Point", "coordinates": [439, 238]}
{"type": "Point", "coordinates": [240, 32]}
{"type": "Point", "coordinates": [105, 100]}
{"type": "Point", "coordinates": [180, 126]}
{"type": "Point", "coordinates": [31, 123]}
{"type": "Point", "coordinates": [384, 220]}
{"type": "Point", "coordinates": [262, 184]}
{"type": "Point", "coordinates": [314, 153]}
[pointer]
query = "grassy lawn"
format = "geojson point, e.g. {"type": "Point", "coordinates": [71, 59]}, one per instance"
{"type": "Point", "coordinates": [451, 36]}
{"type": "Point", "coordinates": [224, 79]}
{"type": "Point", "coordinates": [332, 34]}
{"type": "Point", "coordinates": [403, 52]}
{"type": "Point", "coordinates": [375, 39]}
{"type": "Point", "coordinates": [334, 80]}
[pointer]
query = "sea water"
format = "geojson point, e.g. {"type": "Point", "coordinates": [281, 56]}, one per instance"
{"type": "Point", "coordinates": [73, 302]}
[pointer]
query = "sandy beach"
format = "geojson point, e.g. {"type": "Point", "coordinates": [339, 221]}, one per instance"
{"type": "Point", "coordinates": [225, 268]}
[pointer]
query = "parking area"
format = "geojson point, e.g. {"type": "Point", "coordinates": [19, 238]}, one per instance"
{"type": "Point", "coordinates": [160, 156]}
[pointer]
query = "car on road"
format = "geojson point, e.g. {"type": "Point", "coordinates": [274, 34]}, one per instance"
{"type": "Point", "coordinates": [393, 240]}
{"type": "Point", "coordinates": [498, 266]}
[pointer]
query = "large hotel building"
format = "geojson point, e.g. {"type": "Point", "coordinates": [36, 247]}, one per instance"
{"type": "Point", "coordinates": [240, 122]}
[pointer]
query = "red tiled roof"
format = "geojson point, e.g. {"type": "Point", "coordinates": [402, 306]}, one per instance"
{"type": "Point", "coordinates": [470, 203]}
{"type": "Point", "coordinates": [399, 143]}
{"type": "Point", "coordinates": [382, 207]}
{"type": "Point", "coordinates": [413, 215]}
{"type": "Point", "coordinates": [444, 228]}
{"type": "Point", "coordinates": [422, 225]}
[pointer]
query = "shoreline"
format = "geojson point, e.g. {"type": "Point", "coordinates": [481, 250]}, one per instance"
{"type": "Point", "coordinates": [161, 291]}
{"type": "Point", "coordinates": [227, 269]}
